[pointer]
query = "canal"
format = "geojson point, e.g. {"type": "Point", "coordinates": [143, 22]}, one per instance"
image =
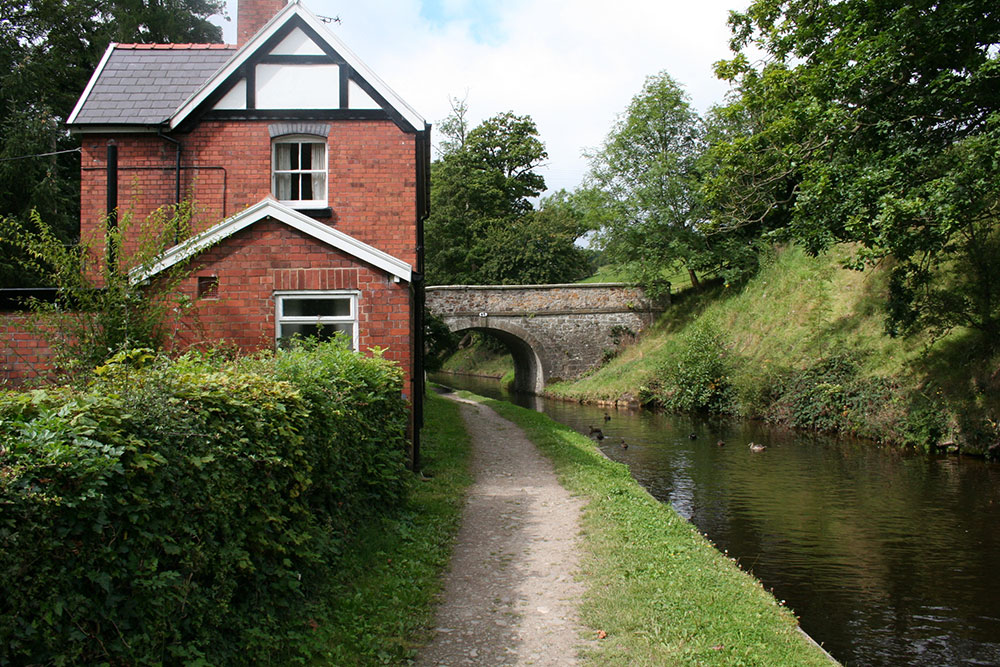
{"type": "Point", "coordinates": [888, 557]}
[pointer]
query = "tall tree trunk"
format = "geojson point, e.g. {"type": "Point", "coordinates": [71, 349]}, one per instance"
{"type": "Point", "coordinates": [695, 283]}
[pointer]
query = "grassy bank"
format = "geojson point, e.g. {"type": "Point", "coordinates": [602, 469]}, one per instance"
{"type": "Point", "coordinates": [479, 359]}
{"type": "Point", "coordinates": [387, 587]}
{"type": "Point", "coordinates": [803, 344]}
{"type": "Point", "coordinates": [657, 590]}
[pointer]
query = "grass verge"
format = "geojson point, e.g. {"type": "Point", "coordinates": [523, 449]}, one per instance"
{"type": "Point", "coordinates": [779, 335]}
{"type": "Point", "coordinates": [659, 590]}
{"type": "Point", "coordinates": [386, 590]}
{"type": "Point", "coordinates": [478, 359]}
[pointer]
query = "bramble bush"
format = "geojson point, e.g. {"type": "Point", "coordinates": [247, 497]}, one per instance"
{"type": "Point", "coordinates": [697, 378]}
{"type": "Point", "coordinates": [190, 511]}
{"type": "Point", "coordinates": [833, 394]}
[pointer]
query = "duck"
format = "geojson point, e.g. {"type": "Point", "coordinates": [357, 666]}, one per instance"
{"type": "Point", "coordinates": [720, 444]}
{"type": "Point", "coordinates": [607, 417]}
{"type": "Point", "coordinates": [754, 447]}
{"type": "Point", "coordinates": [693, 436]}
{"type": "Point", "coordinates": [597, 433]}
{"type": "Point", "coordinates": [624, 444]}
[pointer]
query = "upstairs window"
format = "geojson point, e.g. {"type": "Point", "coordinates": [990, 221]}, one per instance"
{"type": "Point", "coordinates": [298, 171]}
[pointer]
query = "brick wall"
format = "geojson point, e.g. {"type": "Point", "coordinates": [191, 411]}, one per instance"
{"type": "Point", "coordinates": [268, 256]}
{"type": "Point", "coordinates": [23, 352]}
{"type": "Point", "coordinates": [250, 266]}
{"type": "Point", "coordinates": [226, 166]}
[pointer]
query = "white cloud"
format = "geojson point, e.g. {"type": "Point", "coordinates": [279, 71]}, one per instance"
{"type": "Point", "coordinates": [573, 65]}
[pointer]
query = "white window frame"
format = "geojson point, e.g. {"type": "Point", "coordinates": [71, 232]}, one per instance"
{"type": "Point", "coordinates": [280, 298]}
{"type": "Point", "coordinates": [299, 139]}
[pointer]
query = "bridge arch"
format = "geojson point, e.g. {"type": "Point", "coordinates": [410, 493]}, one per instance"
{"type": "Point", "coordinates": [530, 373]}
{"type": "Point", "coordinates": [554, 332]}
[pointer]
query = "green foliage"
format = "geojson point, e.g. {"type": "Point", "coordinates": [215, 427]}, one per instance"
{"type": "Point", "coordinates": [829, 395]}
{"type": "Point", "coordinates": [833, 394]}
{"type": "Point", "coordinates": [698, 377]}
{"type": "Point", "coordinates": [483, 228]}
{"type": "Point", "coordinates": [537, 248]}
{"type": "Point", "coordinates": [191, 511]}
{"type": "Point", "coordinates": [48, 50]}
{"type": "Point", "coordinates": [439, 342]}
{"type": "Point", "coordinates": [642, 189]}
{"type": "Point", "coordinates": [100, 308]}
{"type": "Point", "coordinates": [876, 124]}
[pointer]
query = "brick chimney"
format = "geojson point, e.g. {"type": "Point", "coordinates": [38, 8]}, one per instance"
{"type": "Point", "coordinates": [251, 15]}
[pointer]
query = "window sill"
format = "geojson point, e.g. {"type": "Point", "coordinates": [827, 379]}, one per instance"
{"type": "Point", "coordinates": [316, 212]}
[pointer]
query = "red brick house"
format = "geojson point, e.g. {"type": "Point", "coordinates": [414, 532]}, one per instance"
{"type": "Point", "coordinates": [309, 177]}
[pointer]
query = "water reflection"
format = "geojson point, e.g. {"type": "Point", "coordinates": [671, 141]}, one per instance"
{"type": "Point", "coordinates": [888, 557]}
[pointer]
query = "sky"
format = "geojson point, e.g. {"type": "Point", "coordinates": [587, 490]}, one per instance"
{"type": "Point", "coordinates": [572, 65]}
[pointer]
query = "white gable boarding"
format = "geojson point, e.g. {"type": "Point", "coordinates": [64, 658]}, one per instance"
{"type": "Point", "coordinates": [296, 85]}
{"type": "Point", "coordinates": [270, 208]}
{"type": "Point", "coordinates": [235, 99]}
{"type": "Point", "coordinates": [297, 43]}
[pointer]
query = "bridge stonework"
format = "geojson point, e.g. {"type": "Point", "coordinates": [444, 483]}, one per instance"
{"type": "Point", "coordinates": [554, 332]}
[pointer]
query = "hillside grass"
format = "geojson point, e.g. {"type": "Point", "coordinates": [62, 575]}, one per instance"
{"type": "Point", "coordinates": [479, 359]}
{"type": "Point", "coordinates": [798, 311]}
{"type": "Point", "coordinates": [657, 591]}
{"type": "Point", "coordinates": [679, 279]}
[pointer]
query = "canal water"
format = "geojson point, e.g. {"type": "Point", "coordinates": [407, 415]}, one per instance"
{"type": "Point", "coordinates": [888, 557]}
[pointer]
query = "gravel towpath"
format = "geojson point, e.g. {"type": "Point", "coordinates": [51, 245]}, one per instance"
{"type": "Point", "coordinates": [510, 596]}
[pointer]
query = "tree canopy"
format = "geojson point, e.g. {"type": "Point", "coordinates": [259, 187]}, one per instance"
{"type": "Point", "coordinates": [642, 189]}
{"type": "Point", "coordinates": [876, 123]}
{"type": "Point", "coordinates": [483, 227]}
{"type": "Point", "coordinates": [48, 50]}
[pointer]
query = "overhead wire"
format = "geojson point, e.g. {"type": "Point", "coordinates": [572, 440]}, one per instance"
{"type": "Point", "coordinates": [25, 157]}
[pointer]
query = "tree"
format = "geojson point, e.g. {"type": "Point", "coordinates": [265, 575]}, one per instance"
{"type": "Point", "coordinates": [455, 127]}
{"type": "Point", "coordinates": [482, 218]}
{"type": "Point", "coordinates": [642, 189]}
{"type": "Point", "coordinates": [48, 50]}
{"type": "Point", "coordinates": [877, 123]}
{"type": "Point", "coordinates": [539, 247]}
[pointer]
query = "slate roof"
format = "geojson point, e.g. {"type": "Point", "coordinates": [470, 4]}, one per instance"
{"type": "Point", "coordinates": [143, 84]}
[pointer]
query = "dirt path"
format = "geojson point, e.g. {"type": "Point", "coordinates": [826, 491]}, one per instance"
{"type": "Point", "coordinates": [510, 596]}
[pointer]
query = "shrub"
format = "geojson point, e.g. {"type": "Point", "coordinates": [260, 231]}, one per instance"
{"type": "Point", "coordinates": [698, 378]}
{"type": "Point", "coordinates": [824, 395]}
{"type": "Point", "coordinates": [834, 395]}
{"type": "Point", "coordinates": [189, 511]}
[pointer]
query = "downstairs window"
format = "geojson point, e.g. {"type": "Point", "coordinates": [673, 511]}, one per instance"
{"type": "Point", "coordinates": [321, 315]}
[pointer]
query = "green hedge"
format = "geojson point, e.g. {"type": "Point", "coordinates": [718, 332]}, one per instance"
{"type": "Point", "coordinates": [190, 511]}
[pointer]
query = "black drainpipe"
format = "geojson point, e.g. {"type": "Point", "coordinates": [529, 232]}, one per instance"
{"type": "Point", "coordinates": [177, 176]}
{"type": "Point", "coordinates": [112, 204]}
{"type": "Point", "coordinates": [422, 155]}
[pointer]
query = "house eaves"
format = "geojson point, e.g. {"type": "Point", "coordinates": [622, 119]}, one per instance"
{"type": "Point", "coordinates": [270, 208]}
{"type": "Point", "coordinates": [137, 87]}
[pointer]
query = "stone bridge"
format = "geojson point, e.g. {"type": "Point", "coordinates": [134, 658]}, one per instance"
{"type": "Point", "coordinates": [554, 332]}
